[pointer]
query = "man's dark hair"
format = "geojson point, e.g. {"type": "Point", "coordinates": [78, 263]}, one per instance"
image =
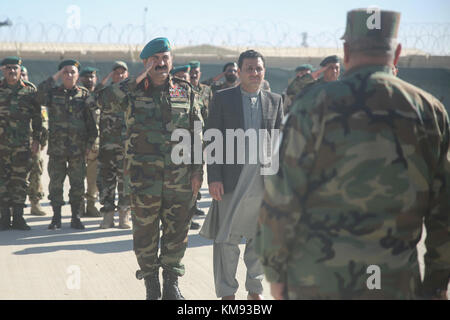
{"type": "Point", "coordinates": [250, 54]}
{"type": "Point", "coordinates": [228, 64]}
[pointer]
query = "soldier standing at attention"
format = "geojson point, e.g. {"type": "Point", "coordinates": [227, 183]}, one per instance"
{"type": "Point", "coordinates": [35, 189]}
{"type": "Point", "coordinates": [160, 189]}
{"type": "Point", "coordinates": [204, 95]}
{"type": "Point", "coordinates": [88, 78]}
{"type": "Point", "coordinates": [112, 139]}
{"type": "Point", "coordinates": [364, 162]}
{"type": "Point", "coordinates": [18, 107]}
{"type": "Point", "coordinates": [72, 133]}
{"type": "Point", "coordinates": [204, 92]}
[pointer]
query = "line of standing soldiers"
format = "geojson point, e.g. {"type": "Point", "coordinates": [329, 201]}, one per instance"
{"type": "Point", "coordinates": [75, 150]}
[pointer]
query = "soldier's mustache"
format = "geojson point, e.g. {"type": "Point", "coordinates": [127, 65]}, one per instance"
{"type": "Point", "coordinates": [161, 68]}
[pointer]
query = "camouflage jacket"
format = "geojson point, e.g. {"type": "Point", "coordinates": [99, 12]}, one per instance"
{"type": "Point", "coordinates": [217, 85]}
{"type": "Point", "coordinates": [20, 114]}
{"type": "Point", "coordinates": [112, 127]}
{"type": "Point", "coordinates": [295, 87]}
{"type": "Point", "coordinates": [363, 162]}
{"type": "Point", "coordinates": [151, 116]}
{"type": "Point", "coordinates": [71, 123]}
{"type": "Point", "coordinates": [204, 96]}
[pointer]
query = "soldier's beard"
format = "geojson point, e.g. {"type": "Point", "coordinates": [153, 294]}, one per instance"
{"type": "Point", "coordinates": [230, 77]}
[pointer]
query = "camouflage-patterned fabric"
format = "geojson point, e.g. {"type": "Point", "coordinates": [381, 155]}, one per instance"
{"type": "Point", "coordinates": [72, 131]}
{"type": "Point", "coordinates": [35, 188]}
{"type": "Point", "coordinates": [111, 155]}
{"type": "Point", "coordinates": [295, 88]}
{"type": "Point", "coordinates": [216, 86]}
{"type": "Point", "coordinates": [363, 163]}
{"type": "Point", "coordinates": [204, 95]}
{"type": "Point", "coordinates": [92, 166]}
{"type": "Point", "coordinates": [18, 107]}
{"type": "Point", "coordinates": [160, 189]}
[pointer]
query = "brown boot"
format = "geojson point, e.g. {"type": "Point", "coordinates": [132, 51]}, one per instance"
{"type": "Point", "coordinates": [124, 218]}
{"type": "Point", "coordinates": [108, 220]}
{"type": "Point", "coordinates": [36, 209]}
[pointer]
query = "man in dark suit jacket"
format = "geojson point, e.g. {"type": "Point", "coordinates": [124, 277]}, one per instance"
{"type": "Point", "coordinates": [244, 107]}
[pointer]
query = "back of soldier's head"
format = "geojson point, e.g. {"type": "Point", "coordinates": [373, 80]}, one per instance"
{"type": "Point", "coordinates": [372, 32]}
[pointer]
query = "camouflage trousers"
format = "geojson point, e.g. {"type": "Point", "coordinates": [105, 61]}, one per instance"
{"type": "Point", "coordinates": [58, 168]}
{"type": "Point", "coordinates": [91, 176]}
{"type": "Point", "coordinates": [35, 189]}
{"type": "Point", "coordinates": [172, 209]}
{"type": "Point", "coordinates": [15, 164]}
{"type": "Point", "coordinates": [110, 177]}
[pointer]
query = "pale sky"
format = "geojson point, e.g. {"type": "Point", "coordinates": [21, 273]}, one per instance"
{"type": "Point", "coordinates": [232, 22]}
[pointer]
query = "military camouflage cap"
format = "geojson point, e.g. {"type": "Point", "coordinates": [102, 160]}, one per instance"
{"type": "Point", "coordinates": [120, 64]}
{"type": "Point", "coordinates": [185, 68]}
{"type": "Point", "coordinates": [156, 45]}
{"type": "Point", "coordinates": [304, 67]}
{"type": "Point", "coordinates": [69, 62]}
{"type": "Point", "coordinates": [329, 59]}
{"type": "Point", "coordinates": [372, 28]}
{"type": "Point", "coordinates": [194, 64]}
{"type": "Point", "coordinates": [11, 60]}
{"type": "Point", "coordinates": [87, 70]}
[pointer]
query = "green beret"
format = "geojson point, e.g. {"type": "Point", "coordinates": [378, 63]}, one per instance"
{"type": "Point", "coordinates": [87, 70]}
{"type": "Point", "coordinates": [185, 68]}
{"type": "Point", "coordinates": [157, 45]}
{"type": "Point", "coordinates": [69, 63]}
{"type": "Point", "coordinates": [194, 64]}
{"type": "Point", "coordinates": [329, 59]}
{"type": "Point", "coordinates": [23, 68]}
{"type": "Point", "coordinates": [119, 64]}
{"type": "Point", "coordinates": [372, 28]}
{"type": "Point", "coordinates": [304, 67]}
{"type": "Point", "coordinates": [11, 60]}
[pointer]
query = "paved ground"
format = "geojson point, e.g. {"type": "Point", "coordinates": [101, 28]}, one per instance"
{"type": "Point", "coordinates": [44, 264]}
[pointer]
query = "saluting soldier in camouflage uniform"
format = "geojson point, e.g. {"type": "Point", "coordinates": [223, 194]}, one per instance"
{"type": "Point", "coordinates": [72, 133]}
{"type": "Point", "coordinates": [112, 139]}
{"type": "Point", "coordinates": [35, 189]}
{"type": "Point", "coordinates": [88, 79]}
{"type": "Point", "coordinates": [18, 107]}
{"type": "Point", "coordinates": [364, 161]}
{"type": "Point", "coordinates": [160, 189]}
{"type": "Point", "coordinates": [231, 78]}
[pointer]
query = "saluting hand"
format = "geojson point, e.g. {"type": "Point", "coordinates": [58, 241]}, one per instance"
{"type": "Point", "coordinates": [144, 73]}
{"type": "Point", "coordinates": [57, 75]}
{"type": "Point", "coordinates": [105, 80]}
